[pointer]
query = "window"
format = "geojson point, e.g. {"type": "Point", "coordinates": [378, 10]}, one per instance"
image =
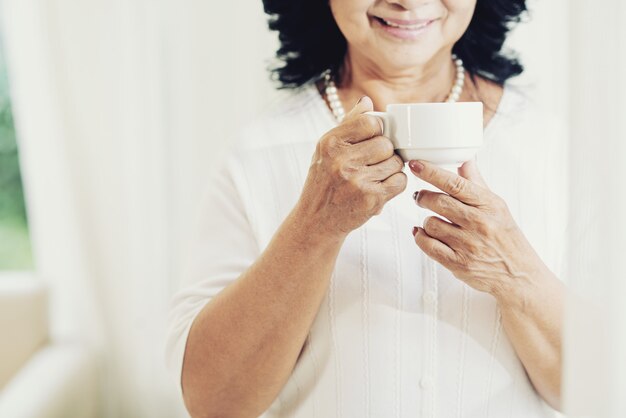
{"type": "Point", "coordinates": [15, 248]}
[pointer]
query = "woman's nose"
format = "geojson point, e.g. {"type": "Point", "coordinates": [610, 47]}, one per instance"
{"type": "Point", "coordinates": [408, 4]}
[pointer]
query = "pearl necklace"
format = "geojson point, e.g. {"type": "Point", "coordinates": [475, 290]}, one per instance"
{"type": "Point", "coordinates": [340, 113]}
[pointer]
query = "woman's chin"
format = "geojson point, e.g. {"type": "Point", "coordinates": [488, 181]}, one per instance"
{"type": "Point", "coordinates": [403, 59]}
{"type": "Point", "coordinates": [401, 53]}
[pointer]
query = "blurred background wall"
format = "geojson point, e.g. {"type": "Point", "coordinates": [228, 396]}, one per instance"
{"type": "Point", "coordinates": [122, 108]}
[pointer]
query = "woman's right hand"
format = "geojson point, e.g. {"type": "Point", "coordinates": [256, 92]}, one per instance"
{"type": "Point", "coordinates": [353, 173]}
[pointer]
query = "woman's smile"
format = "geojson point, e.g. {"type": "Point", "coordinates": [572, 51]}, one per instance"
{"type": "Point", "coordinates": [402, 29]}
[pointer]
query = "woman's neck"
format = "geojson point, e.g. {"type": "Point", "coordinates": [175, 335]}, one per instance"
{"type": "Point", "coordinates": [431, 83]}
{"type": "Point", "coordinates": [359, 76]}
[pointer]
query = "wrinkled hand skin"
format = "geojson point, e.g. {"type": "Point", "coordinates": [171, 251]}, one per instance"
{"type": "Point", "coordinates": [482, 244]}
{"type": "Point", "coordinates": [354, 172]}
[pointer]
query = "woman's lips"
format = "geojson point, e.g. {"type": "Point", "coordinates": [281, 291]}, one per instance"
{"type": "Point", "coordinates": [403, 29]}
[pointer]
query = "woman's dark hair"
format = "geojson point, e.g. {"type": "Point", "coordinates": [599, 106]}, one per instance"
{"type": "Point", "coordinates": [310, 41]}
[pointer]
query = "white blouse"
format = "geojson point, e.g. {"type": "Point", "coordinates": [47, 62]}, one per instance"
{"type": "Point", "coordinates": [397, 335]}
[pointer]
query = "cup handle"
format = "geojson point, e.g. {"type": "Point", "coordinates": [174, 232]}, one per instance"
{"type": "Point", "coordinates": [384, 116]}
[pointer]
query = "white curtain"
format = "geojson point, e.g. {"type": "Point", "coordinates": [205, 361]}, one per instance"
{"type": "Point", "coordinates": [595, 351]}
{"type": "Point", "coordinates": [123, 107]}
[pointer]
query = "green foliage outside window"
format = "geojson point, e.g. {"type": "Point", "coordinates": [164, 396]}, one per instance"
{"type": "Point", "coordinates": [15, 249]}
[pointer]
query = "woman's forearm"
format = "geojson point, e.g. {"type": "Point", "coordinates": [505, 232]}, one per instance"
{"type": "Point", "coordinates": [532, 317]}
{"type": "Point", "coordinates": [483, 246]}
{"type": "Point", "coordinates": [243, 345]}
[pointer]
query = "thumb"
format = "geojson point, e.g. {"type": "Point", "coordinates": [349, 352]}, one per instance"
{"type": "Point", "coordinates": [364, 104]}
{"type": "Point", "coordinates": [469, 170]}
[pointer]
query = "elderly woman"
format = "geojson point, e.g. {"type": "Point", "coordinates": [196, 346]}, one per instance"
{"type": "Point", "coordinates": [311, 292]}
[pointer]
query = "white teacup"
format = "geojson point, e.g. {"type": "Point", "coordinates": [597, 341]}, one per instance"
{"type": "Point", "coordinates": [446, 134]}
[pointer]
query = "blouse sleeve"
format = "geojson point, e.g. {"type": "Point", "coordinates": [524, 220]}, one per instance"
{"type": "Point", "coordinates": [221, 248]}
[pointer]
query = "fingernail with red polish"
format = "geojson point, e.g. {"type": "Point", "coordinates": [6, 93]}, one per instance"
{"type": "Point", "coordinates": [415, 195]}
{"type": "Point", "coordinates": [414, 230]}
{"type": "Point", "coordinates": [416, 166]}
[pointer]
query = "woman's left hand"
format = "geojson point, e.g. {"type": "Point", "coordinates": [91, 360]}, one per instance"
{"type": "Point", "coordinates": [483, 246]}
